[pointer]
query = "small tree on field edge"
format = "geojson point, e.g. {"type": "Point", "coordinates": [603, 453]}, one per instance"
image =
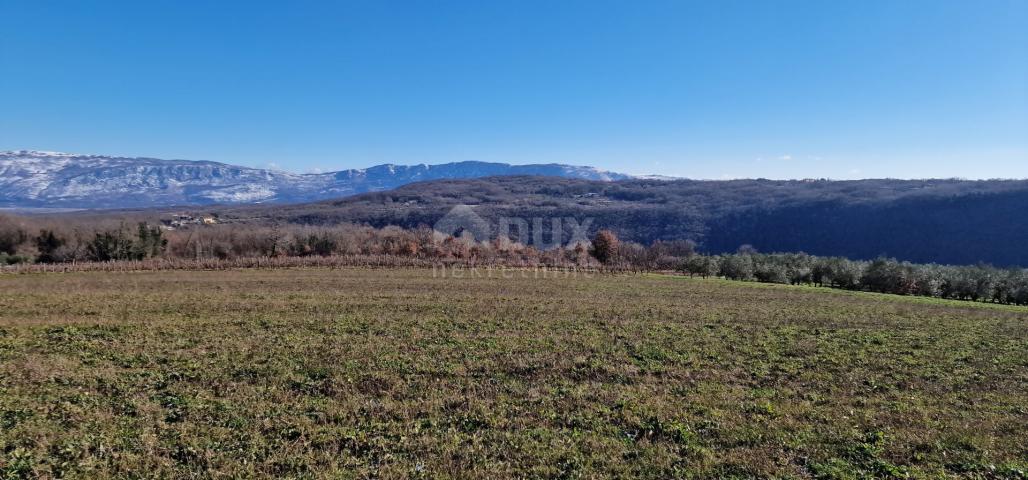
{"type": "Point", "coordinates": [605, 246]}
{"type": "Point", "coordinates": [47, 243]}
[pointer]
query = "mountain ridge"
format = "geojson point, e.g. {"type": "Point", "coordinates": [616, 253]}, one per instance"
{"type": "Point", "coordinates": [44, 179]}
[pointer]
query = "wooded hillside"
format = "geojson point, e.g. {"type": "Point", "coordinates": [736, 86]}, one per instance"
{"type": "Point", "coordinates": [941, 221]}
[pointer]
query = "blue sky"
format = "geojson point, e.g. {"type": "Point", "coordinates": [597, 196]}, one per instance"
{"type": "Point", "coordinates": [781, 89]}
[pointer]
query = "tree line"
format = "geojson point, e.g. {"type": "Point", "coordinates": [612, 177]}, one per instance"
{"type": "Point", "coordinates": [980, 282]}
{"type": "Point", "coordinates": [884, 275]}
{"type": "Point", "coordinates": [141, 241]}
{"type": "Point", "coordinates": [52, 243]}
{"type": "Point", "coordinates": [51, 246]}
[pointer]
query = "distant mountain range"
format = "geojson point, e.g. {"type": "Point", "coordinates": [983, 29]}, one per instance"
{"type": "Point", "coordinates": [34, 179]}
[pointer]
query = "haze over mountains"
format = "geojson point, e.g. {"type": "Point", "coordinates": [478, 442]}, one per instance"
{"type": "Point", "coordinates": [34, 179]}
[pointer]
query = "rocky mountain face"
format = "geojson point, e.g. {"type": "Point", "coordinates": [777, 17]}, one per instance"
{"type": "Point", "coordinates": [33, 179]}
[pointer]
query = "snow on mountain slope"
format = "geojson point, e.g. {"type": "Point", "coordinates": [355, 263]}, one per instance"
{"type": "Point", "coordinates": [35, 179]}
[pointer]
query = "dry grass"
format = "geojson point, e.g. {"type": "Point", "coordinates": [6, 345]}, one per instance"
{"type": "Point", "coordinates": [394, 373]}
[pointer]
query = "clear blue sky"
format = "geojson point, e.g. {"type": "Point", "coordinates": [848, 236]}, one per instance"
{"type": "Point", "coordinates": [774, 89]}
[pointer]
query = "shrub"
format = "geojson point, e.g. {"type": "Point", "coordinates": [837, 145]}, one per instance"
{"type": "Point", "coordinates": [605, 246]}
{"type": "Point", "coordinates": [11, 236]}
{"type": "Point", "coordinates": [6, 259]}
{"type": "Point", "coordinates": [48, 244]}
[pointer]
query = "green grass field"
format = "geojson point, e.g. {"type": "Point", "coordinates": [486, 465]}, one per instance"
{"type": "Point", "coordinates": [394, 373]}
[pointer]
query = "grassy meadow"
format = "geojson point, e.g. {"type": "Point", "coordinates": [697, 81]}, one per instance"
{"type": "Point", "coordinates": [397, 373]}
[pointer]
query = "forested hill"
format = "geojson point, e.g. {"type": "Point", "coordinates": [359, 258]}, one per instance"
{"type": "Point", "coordinates": [944, 221]}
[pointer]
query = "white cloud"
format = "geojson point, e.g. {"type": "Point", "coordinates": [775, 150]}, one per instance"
{"type": "Point", "coordinates": [785, 157]}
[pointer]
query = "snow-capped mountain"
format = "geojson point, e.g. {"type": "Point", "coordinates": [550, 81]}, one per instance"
{"type": "Point", "coordinates": [34, 179]}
